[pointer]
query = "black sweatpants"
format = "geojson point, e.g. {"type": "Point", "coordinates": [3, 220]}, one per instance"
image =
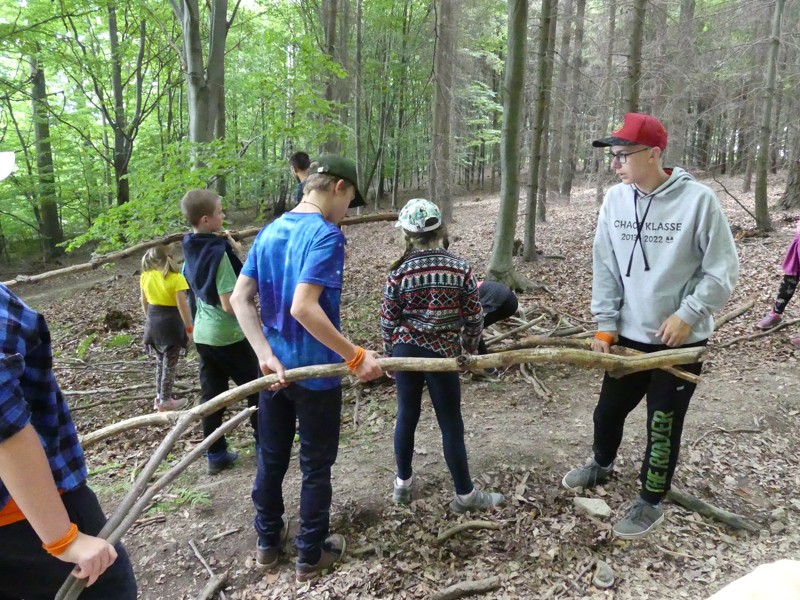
{"type": "Point", "coordinates": [218, 364]}
{"type": "Point", "coordinates": [667, 403]}
{"type": "Point", "coordinates": [27, 571]}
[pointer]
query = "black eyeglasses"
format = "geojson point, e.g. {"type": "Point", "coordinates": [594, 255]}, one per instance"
{"type": "Point", "coordinates": [622, 157]}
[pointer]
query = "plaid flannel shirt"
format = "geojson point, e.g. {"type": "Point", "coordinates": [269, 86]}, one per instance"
{"type": "Point", "coordinates": [29, 393]}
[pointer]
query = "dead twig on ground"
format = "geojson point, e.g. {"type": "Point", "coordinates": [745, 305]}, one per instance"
{"type": "Point", "coordinates": [468, 588]}
{"type": "Point", "coordinates": [519, 329]}
{"type": "Point", "coordinates": [150, 520]}
{"type": "Point", "coordinates": [735, 199]}
{"type": "Point", "coordinates": [754, 336]}
{"type": "Point", "coordinates": [723, 430]}
{"type": "Point", "coordinates": [705, 509]}
{"type": "Point", "coordinates": [215, 582]}
{"type": "Point", "coordinates": [227, 532]}
{"type": "Point", "coordinates": [736, 312]}
{"type": "Point", "coordinates": [456, 529]}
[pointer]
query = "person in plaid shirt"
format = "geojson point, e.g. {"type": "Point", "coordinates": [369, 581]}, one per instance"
{"type": "Point", "coordinates": [431, 309]}
{"type": "Point", "coordinates": [48, 515]}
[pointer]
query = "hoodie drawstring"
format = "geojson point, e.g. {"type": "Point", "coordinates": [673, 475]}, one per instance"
{"type": "Point", "coordinates": [639, 228]}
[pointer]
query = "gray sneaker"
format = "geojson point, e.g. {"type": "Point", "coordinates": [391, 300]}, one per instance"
{"type": "Point", "coordinates": [332, 552]}
{"type": "Point", "coordinates": [587, 476]}
{"type": "Point", "coordinates": [480, 500]}
{"type": "Point", "coordinates": [401, 494]}
{"type": "Point", "coordinates": [641, 519]}
{"type": "Point", "coordinates": [269, 556]}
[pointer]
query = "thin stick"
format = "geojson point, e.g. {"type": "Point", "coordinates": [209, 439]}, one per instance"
{"type": "Point", "coordinates": [736, 312]}
{"type": "Point", "coordinates": [735, 199]}
{"type": "Point", "coordinates": [521, 328]}
{"type": "Point", "coordinates": [705, 509]}
{"type": "Point", "coordinates": [754, 336]}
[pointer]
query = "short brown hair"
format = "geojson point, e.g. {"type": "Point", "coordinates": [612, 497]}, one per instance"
{"type": "Point", "coordinates": [197, 204]}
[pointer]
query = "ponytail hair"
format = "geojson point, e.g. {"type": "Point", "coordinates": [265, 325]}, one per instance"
{"type": "Point", "coordinates": [159, 258]}
{"type": "Point", "coordinates": [421, 241]}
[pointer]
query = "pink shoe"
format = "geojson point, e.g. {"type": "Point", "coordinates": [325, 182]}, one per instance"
{"type": "Point", "coordinates": [795, 340]}
{"type": "Point", "coordinates": [770, 321]}
{"type": "Point", "coordinates": [171, 404]}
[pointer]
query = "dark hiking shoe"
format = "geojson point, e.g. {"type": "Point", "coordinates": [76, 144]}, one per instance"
{"type": "Point", "coordinates": [332, 552]}
{"type": "Point", "coordinates": [480, 501]}
{"type": "Point", "coordinates": [401, 494]}
{"type": "Point", "coordinates": [269, 556]}
{"type": "Point", "coordinates": [587, 476]}
{"type": "Point", "coordinates": [641, 520]}
{"type": "Point", "coordinates": [220, 461]}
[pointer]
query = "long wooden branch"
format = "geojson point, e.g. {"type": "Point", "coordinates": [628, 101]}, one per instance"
{"type": "Point", "coordinates": [580, 357]}
{"type": "Point", "coordinates": [468, 588]}
{"type": "Point", "coordinates": [534, 341]}
{"type": "Point", "coordinates": [97, 261]}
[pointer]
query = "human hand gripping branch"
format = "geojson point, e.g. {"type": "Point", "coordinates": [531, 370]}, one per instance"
{"type": "Point", "coordinates": [674, 331]}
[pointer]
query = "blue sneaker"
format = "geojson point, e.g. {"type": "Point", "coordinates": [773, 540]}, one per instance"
{"type": "Point", "coordinates": [219, 461]}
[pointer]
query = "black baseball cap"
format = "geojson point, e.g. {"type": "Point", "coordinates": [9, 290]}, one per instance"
{"type": "Point", "coordinates": [339, 166]}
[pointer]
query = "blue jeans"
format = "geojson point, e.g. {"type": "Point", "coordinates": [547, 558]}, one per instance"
{"type": "Point", "coordinates": [319, 415]}
{"type": "Point", "coordinates": [445, 391]}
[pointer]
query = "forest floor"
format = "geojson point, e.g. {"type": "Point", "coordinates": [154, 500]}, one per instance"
{"type": "Point", "coordinates": [738, 452]}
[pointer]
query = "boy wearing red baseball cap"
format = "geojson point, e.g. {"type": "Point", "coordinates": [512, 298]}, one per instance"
{"type": "Point", "coordinates": [664, 261]}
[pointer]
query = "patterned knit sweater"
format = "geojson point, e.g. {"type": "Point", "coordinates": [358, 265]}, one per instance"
{"type": "Point", "coordinates": [431, 301]}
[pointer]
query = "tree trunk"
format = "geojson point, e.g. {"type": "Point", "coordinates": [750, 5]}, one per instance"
{"type": "Point", "coordinates": [204, 83]}
{"type": "Point", "coordinates": [791, 195]}
{"type": "Point", "coordinates": [549, 8]}
{"type": "Point", "coordinates": [605, 100]}
{"type": "Point", "coordinates": [676, 150]}
{"type": "Point", "coordinates": [121, 145]}
{"type": "Point", "coordinates": [501, 263]}
{"type": "Point", "coordinates": [48, 220]}
{"type": "Point", "coordinates": [569, 145]}
{"type": "Point", "coordinates": [440, 169]}
{"type": "Point", "coordinates": [559, 120]}
{"type": "Point", "coordinates": [359, 95]}
{"type": "Point", "coordinates": [544, 158]}
{"type": "Point", "coordinates": [659, 73]}
{"type": "Point", "coordinates": [635, 40]}
{"type": "Point", "coordinates": [398, 145]}
{"type": "Point", "coordinates": [762, 211]}
{"type": "Point", "coordinates": [331, 145]}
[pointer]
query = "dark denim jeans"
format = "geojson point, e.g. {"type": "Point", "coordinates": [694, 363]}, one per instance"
{"type": "Point", "coordinates": [319, 416]}
{"type": "Point", "coordinates": [445, 391]}
{"type": "Point", "coordinates": [27, 571]}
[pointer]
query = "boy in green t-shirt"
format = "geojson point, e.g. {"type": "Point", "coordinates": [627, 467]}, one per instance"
{"type": "Point", "coordinates": [211, 267]}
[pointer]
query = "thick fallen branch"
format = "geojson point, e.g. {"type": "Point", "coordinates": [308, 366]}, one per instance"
{"type": "Point", "coordinates": [455, 529]}
{"type": "Point", "coordinates": [98, 261]}
{"type": "Point", "coordinates": [536, 341]}
{"type": "Point", "coordinates": [468, 588]}
{"type": "Point", "coordinates": [705, 509]}
{"type": "Point", "coordinates": [584, 358]}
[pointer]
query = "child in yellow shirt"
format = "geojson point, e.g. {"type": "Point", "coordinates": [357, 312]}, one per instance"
{"type": "Point", "coordinates": [168, 320]}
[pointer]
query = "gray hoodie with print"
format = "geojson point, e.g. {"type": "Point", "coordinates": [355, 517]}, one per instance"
{"type": "Point", "coordinates": [668, 252]}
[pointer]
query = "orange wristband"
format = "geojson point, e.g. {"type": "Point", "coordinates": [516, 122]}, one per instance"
{"type": "Point", "coordinates": [356, 361]}
{"type": "Point", "coordinates": [61, 544]}
{"type": "Point", "coordinates": [604, 337]}
{"type": "Point", "coordinates": [190, 329]}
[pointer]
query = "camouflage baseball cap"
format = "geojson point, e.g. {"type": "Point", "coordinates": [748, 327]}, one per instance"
{"type": "Point", "coordinates": [416, 216]}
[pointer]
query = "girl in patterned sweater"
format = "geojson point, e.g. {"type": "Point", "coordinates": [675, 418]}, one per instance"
{"type": "Point", "coordinates": [431, 310]}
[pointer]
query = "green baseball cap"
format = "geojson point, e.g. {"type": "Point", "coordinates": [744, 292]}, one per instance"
{"type": "Point", "coordinates": [339, 166]}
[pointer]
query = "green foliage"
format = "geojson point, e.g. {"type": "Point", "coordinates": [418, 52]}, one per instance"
{"type": "Point", "coordinates": [83, 348]}
{"type": "Point", "coordinates": [180, 498]}
{"type": "Point", "coordinates": [120, 341]}
{"type": "Point", "coordinates": [111, 467]}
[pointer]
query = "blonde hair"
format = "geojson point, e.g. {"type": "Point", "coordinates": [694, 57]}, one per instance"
{"type": "Point", "coordinates": [160, 258]}
{"type": "Point", "coordinates": [322, 181]}
{"type": "Point", "coordinates": [421, 241]}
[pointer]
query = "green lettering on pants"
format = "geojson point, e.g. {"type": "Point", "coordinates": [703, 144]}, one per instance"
{"type": "Point", "coordinates": [660, 432]}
